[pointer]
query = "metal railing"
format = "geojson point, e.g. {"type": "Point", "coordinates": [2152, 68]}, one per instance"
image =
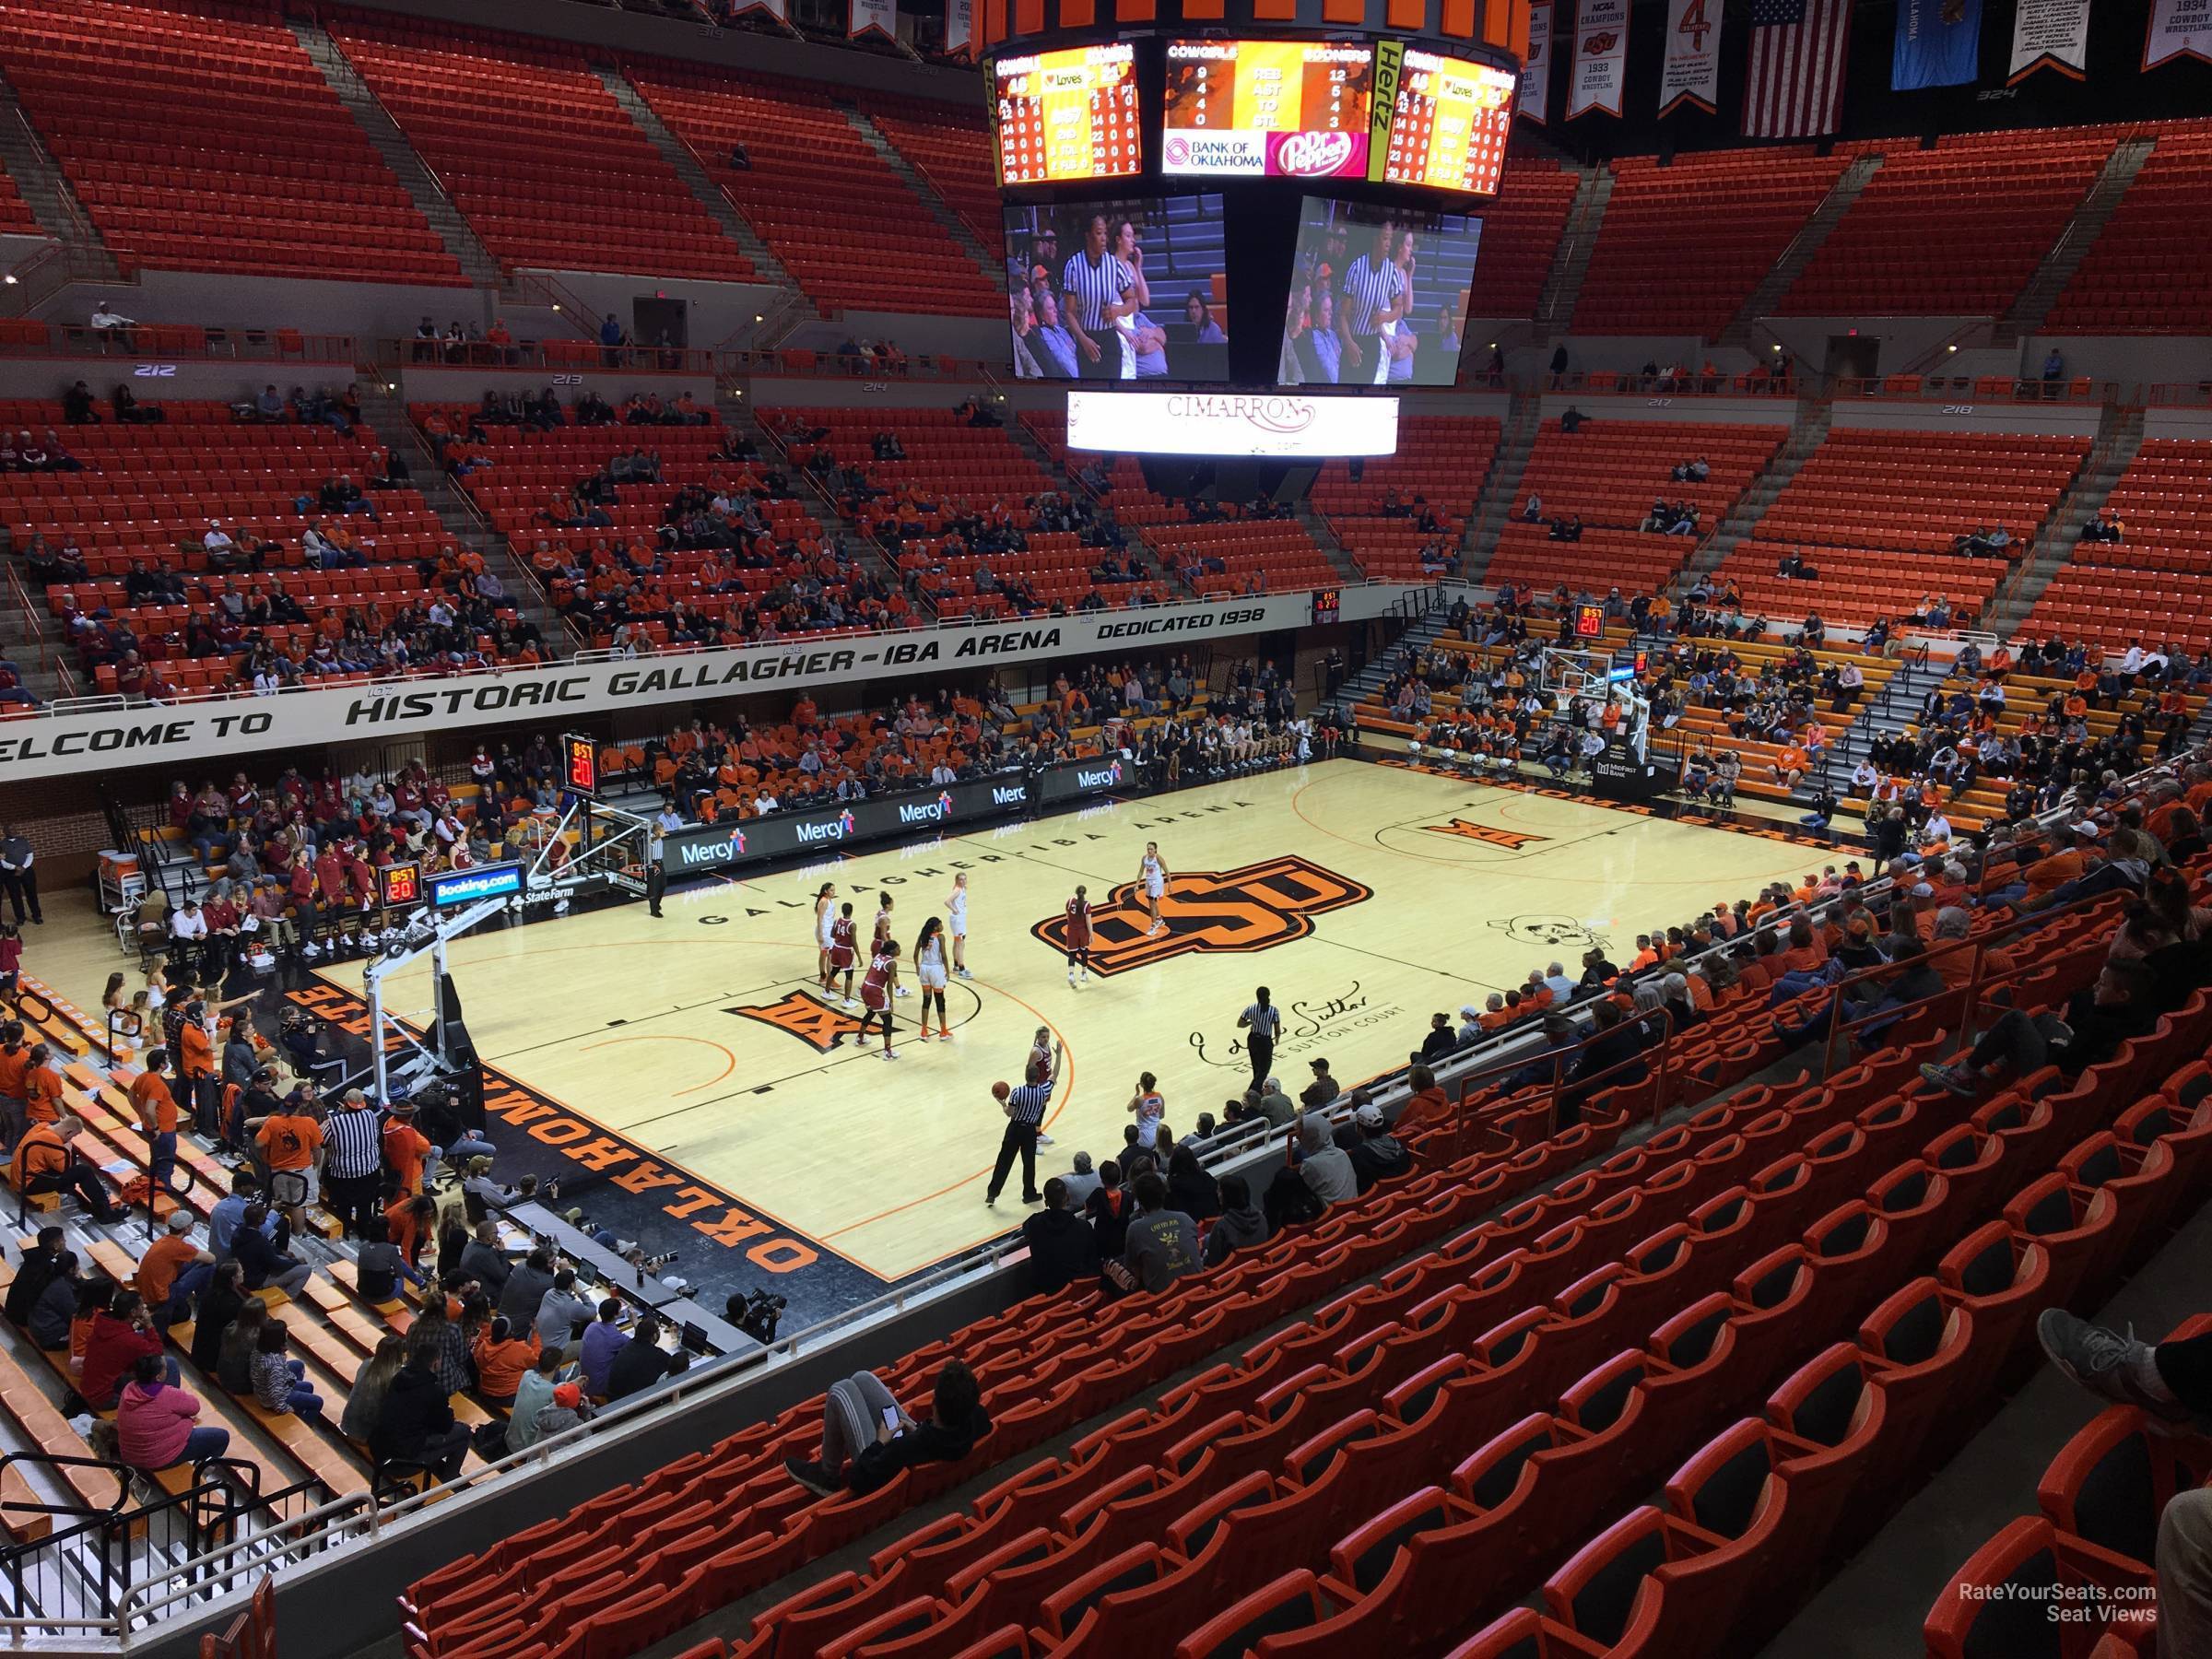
{"type": "Point", "coordinates": [141, 342]}
{"type": "Point", "coordinates": [2080, 391]}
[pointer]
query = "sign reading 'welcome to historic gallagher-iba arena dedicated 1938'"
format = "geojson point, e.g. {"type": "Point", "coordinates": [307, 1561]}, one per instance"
{"type": "Point", "coordinates": [49, 743]}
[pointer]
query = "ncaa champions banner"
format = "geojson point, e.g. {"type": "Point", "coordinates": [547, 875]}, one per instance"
{"type": "Point", "coordinates": [2049, 34]}
{"type": "Point", "coordinates": [1692, 73]}
{"type": "Point", "coordinates": [1536, 72]}
{"type": "Point", "coordinates": [1601, 57]}
{"type": "Point", "coordinates": [2177, 29]}
{"type": "Point", "coordinates": [882, 15]}
{"type": "Point", "coordinates": [959, 27]}
{"type": "Point", "coordinates": [1938, 44]}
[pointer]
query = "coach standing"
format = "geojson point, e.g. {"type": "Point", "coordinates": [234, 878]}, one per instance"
{"type": "Point", "coordinates": [19, 880]}
{"type": "Point", "coordinates": [1025, 1109]}
{"type": "Point", "coordinates": [1264, 1021]}
{"type": "Point", "coordinates": [1098, 285]}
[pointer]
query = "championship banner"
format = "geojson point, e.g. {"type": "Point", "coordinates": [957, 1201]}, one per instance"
{"type": "Point", "coordinates": [1601, 57]}
{"type": "Point", "coordinates": [1938, 44]}
{"type": "Point", "coordinates": [959, 27]}
{"type": "Point", "coordinates": [1536, 72]}
{"type": "Point", "coordinates": [2049, 34]}
{"type": "Point", "coordinates": [774, 8]}
{"type": "Point", "coordinates": [882, 15]}
{"type": "Point", "coordinates": [1692, 71]}
{"type": "Point", "coordinates": [2177, 29]}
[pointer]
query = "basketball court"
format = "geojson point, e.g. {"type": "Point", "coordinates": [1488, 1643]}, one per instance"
{"type": "Point", "coordinates": [738, 1099]}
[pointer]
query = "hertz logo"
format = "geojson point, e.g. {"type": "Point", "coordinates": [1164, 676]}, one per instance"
{"type": "Point", "coordinates": [1256, 907]}
{"type": "Point", "coordinates": [1512, 841]}
{"type": "Point", "coordinates": [801, 1014]}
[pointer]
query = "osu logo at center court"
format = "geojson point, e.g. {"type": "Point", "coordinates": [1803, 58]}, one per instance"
{"type": "Point", "coordinates": [820, 1025]}
{"type": "Point", "coordinates": [1251, 908]}
{"type": "Point", "coordinates": [1512, 841]}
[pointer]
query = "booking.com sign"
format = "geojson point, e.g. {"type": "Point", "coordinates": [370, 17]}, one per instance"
{"type": "Point", "coordinates": [467, 887]}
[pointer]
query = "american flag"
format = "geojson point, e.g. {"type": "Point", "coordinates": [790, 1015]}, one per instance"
{"type": "Point", "coordinates": [1797, 53]}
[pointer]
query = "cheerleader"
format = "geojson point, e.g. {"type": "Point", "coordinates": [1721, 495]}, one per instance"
{"type": "Point", "coordinates": [875, 991]}
{"type": "Point", "coordinates": [1153, 874]}
{"type": "Point", "coordinates": [929, 968]}
{"type": "Point", "coordinates": [842, 933]}
{"type": "Point", "coordinates": [1078, 936]}
{"type": "Point", "coordinates": [825, 908]}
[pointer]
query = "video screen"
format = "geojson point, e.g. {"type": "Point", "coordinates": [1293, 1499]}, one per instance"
{"type": "Point", "coordinates": [1267, 108]}
{"type": "Point", "coordinates": [1066, 116]}
{"type": "Point", "coordinates": [1127, 291]}
{"type": "Point", "coordinates": [1448, 127]}
{"type": "Point", "coordinates": [1378, 295]}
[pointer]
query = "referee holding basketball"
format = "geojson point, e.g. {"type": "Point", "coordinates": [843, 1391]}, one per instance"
{"type": "Point", "coordinates": [1263, 1023]}
{"type": "Point", "coordinates": [1025, 1109]}
{"type": "Point", "coordinates": [1374, 296]}
{"type": "Point", "coordinates": [1099, 289]}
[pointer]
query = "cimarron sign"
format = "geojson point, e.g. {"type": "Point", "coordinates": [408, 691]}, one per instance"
{"type": "Point", "coordinates": [152, 735]}
{"type": "Point", "coordinates": [1270, 424]}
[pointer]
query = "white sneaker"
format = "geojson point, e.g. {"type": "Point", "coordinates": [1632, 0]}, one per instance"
{"type": "Point", "coordinates": [851, 1004]}
{"type": "Point", "coordinates": [904, 992]}
{"type": "Point", "coordinates": [1043, 1139]}
{"type": "Point", "coordinates": [963, 973]}
{"type": "Point", "coordinates": [890, 1053]}
{"type": "Point", "coordinates": [311, 950]}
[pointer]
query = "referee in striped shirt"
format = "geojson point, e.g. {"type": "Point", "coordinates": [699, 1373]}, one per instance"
{"type": "Point", "coordinates": [1024, 1108]}
{"type": "Point", "coordinates": [1098, 289]}
{"type": "Point", "coordinates": [353, 1164]}
{"type": "Point", "coordinates": [1373, 292]}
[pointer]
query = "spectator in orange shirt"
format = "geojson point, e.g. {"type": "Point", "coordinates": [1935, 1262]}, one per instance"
{"type": "Point", "coordinates": [156, 1109]}
{"type": "Point", "coordinates": [1806, 952]}
{"type": "Point", "coordinates": [1789, 765]}
{"type": "Point", "coordinates": [291, 1145]}
{"type": "Point", "coordinates": [41, 1086]}
{"type": "Point", "coordinates": [1645, 956]}
{"type": "Point", "coordinates": [406, 1148]}
{"type": "Point", "coordinates": [15, 1062]}
{"type": "Point", "coordinates": [172, 1271]}
{"type": "Point", "coordinates": [1494, 1017]}
{"type": "Point", "coordinates": [1428, 1109]}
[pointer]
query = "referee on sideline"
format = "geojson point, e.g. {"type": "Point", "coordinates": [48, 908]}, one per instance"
{"type": "Point", "coordinates": [1024, 1108]}
{"type": "Point", "coordinates": [1262, 1023]}
{"type": "Point", "coordinates": [657, 844]}
{"type": "Point", "coordinates": [1098, 284]}
{"type": "Point", "coordinates": [1374, 294]}
{"type": "Point", "coordinates": [354, 1162]}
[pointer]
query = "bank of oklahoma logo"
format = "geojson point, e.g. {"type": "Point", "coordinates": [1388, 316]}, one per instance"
{"type": "Point", "coordinates": [1512, 841]}
{"type": "Point", "coordinates": [1254, 907]}
{"type": "Point", "coordinates": [820, 1025]}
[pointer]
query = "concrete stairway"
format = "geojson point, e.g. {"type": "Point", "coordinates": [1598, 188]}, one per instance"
{"type": "Point", "coordinates": [708, 194]}
{"type": "Point", "coordinates": [23, 645]}
{"type": "Point", "coordinates": [376, 123]}
{"type": "Point", "coordinates": [1371, 678]}
{"type": "Point", "coordinates": [1524, 415]}
{"type": "Point", "coordinates": [1799, 253]}
{"type": "Point", "coordinates": [1895, 707]}
{"type": "Point", "coordinates": [926, 192]}
{"type": "Point", "coordinates": [1571, 260]}
{"type": "Point", "coordinates": [1149, 556]}
{"type": "Point", "coordinates": [386, 414]}
{"type": "Point", "coordinates": [2081, 232]}
{"type": "Point", "coordinates": [1326, 539]}
{"type": "Point", "coordinates": [46, 188]}
{"type": "Point", "coordinates": [2119, 439]}
{"type": "Point", "coordinates": [1808, 430]}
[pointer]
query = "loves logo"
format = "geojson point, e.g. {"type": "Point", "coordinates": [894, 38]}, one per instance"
{"type": "Point", "coordinates": [1313, 155]}
{"type": "Point", "coordinates": [1254, 907]}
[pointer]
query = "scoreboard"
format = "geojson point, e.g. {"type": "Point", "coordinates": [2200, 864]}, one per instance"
{"type": "Point", "coordinates": [1067, 116]}
{"type": "Point", "coordinates": [1272, 109]}
{"type": "Point", "coordinates": [1448, 124]}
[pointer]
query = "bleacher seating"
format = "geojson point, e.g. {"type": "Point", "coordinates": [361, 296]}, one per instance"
{"type": "Point", "coordinates": [952, 469]}
{"type": "Point", "coordinates": [545, 166]}
{"type": "Point", "coordinates": [1609, 473]}
{"type": "Point", "coordinates": [949, 144]}
{"type": "Point", "coordinates": [215, 143]}
{"type": "Point", "coordinates": [1442, 458]}
{"type": "Point", "coordinates": [2149, 271]}
{"type": "Point", "coordinates": [1714, 225]}
{"type": "Point", "coordinates": [1520, 234]}
{"type": "Point", "coordinates": [1956, 230]}
{"type": "Point", "coordinates": [15, 217]}
{"type": "Point", "coordinates": [845, 226]}
{"type": "Point", "coordinates": [148, 492]}
{"type": "Point", "coordinates": [2156, 585]}
{"type": "Point", "coordinates": [1875, 511]}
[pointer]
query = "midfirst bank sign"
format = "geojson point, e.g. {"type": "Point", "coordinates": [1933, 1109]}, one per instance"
{"type": "Point", "coordinates": [161, 735]}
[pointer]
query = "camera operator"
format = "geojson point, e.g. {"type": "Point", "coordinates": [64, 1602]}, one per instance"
{"type": "Point", "coordinates": [756, 1315]}
{"type": "Point", "coordinates": [300, 1035]}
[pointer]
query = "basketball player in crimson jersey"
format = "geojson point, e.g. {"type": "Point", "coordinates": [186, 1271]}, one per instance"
{"type": "Point", "coordinates": [883, 932]}
{"type": "Point", "coordinates": [1078, 936]}
{"type": "Point", "coordinates": [875, 990]}
{"type": "Point", "coordinates": [841, 935]}
{"type": "Point", "coordinates": [1039, 1066]}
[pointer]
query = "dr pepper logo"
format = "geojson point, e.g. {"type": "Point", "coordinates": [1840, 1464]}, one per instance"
{"type": "Point", "coordinates": [1313, 155]}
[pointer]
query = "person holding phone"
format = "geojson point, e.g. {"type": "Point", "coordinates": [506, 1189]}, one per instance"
{"type": "Point", "coordinates": [867, 1437]}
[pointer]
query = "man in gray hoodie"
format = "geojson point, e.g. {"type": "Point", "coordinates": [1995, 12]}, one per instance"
{"type": "Point", "coordinates": [1240, 1224]}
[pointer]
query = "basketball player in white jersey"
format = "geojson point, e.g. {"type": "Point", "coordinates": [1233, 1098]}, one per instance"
{"type": "Point", "coordinates": [956, 908]}
{"type": "Point", "coordinates": [825, 914]}
{"type": "Point", "coordinates": [1153, 874]}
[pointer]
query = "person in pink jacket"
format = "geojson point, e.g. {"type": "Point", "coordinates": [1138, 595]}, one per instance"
{"type": "Point", "coordinates": [154, 1422]}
